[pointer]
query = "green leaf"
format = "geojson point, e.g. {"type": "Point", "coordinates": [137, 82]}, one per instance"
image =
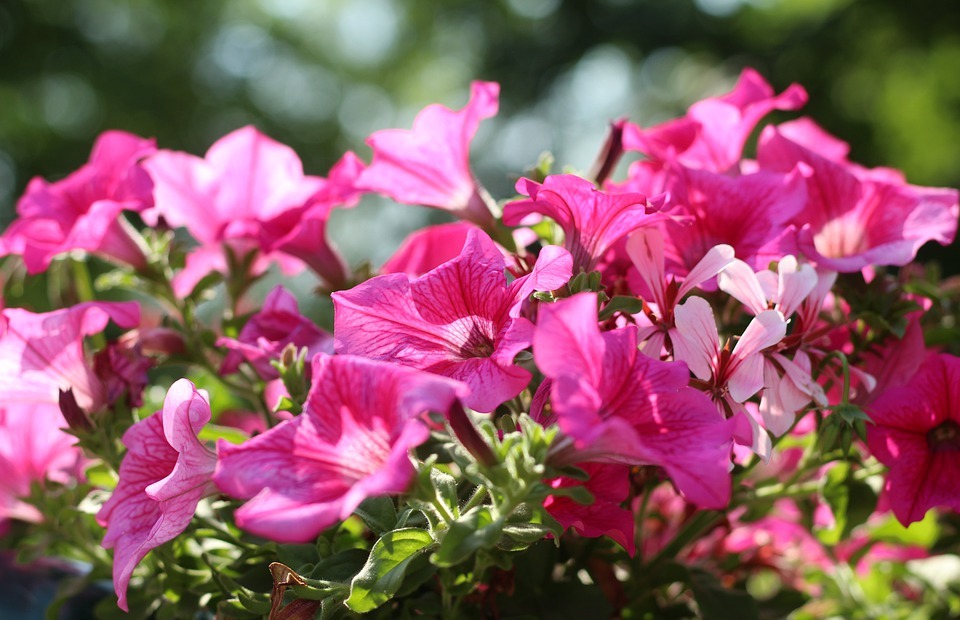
{"type": "Point", "coordinates": [340, 566]}
{"type": "Point", "coordinates": [101, 476]}
{"type": "Point", "coordinates": [621, 303]}
{"type": "Point", "coordinates": [475, 530]}
{"type": "Point", "coordinates": [207, 282]}
{"type": "Point", "coordinates": [383, 574]}
{"type": "Point", "coordinates": [446, 486]}
{"type": "Point", "coordinates": [525, 533]}
{"type": "Point", "coordinates": [297, 556]}
{"type": "Point", "coordinates": [852, 502]}
{"type": "Point", "coordinates": [256, 605]}
{"type": "Point", "coordinates": [212, 432]}
{"type": "Point", "coordinates": [719, 603]}
{"type": "Point", "coordinates": [378, 513]}
{"type": "Point", "coordinates": [923, 533]}
{"type": "Point", "coordinates": [418, 572]}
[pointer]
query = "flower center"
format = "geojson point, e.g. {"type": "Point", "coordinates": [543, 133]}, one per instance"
{"type": "Point", "coordinates": [944, 438]}
{"type": "Point", "coordinates": [476, 339]}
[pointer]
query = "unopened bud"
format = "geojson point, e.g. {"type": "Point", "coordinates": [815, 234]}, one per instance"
{"type": "Point", "coordinates": [300, 609]}
{"type": "Point", "coordinates": [610, 154]}
{"type": "Point", "coordinates": [76, 417]}
{"type": "Point", "coordinates": [467, 433]}
{"type": "Point", "coordinates": [288, 357]}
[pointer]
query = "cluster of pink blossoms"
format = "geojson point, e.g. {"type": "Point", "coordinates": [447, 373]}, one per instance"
{"type": "Point", "coordinates": [632, 366]}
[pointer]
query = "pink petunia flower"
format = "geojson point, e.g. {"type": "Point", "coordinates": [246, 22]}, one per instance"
{"type": "Point", "coordinates": [591, 220]}
{"type": "Point", "coordinates": [857, 217]}
{"type": "Point", "coordinates": [302, 233]}
{"type": "Point", "coordinates": [916, 433]}
{"type": "Point", "coordinates": [430, 164]}
{"type": "Point", "coordinates": [461, 320]}
{"type": "Point", "coordinates": [266, 333]}
{"type": "Point", "coordinates": [712, 134]}
{"type": "Point", "coordinates": [249, 192]}
{"type": "Point", "coordinates": [163, 476]}
{"type": "Point", "coordinates": [41, 354]}
{"type": "Point", "coordinates": [82, 211]}
{"type": "Point", "coordinates": [352, 441]}
{"type": "Point", "coordinates": [33, 448]}
{"type": "Point", "coordinates": [619, 406]}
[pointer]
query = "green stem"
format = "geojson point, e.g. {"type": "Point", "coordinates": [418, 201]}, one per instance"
{"type": "Point", "coordinates": [479, 494]}
{"type": "Point", "coordinates": [83, 286]}
{"type": "Point", "coordinates": [845, 364]}
{"type": "Point", "coordinates": [442, 509]}
{"type": "Point", "coordinates": [700, 523]}
{"type": "Point", "coordinates": [812, 486]}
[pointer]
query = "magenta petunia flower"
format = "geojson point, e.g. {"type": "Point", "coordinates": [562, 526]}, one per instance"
{"type": "Point", "coordinates": [916, 433]}
{"type": "Point", "coordinates": [266, 333]}
{"type": "Point", "coordinates": [82, 212]}
{"type": "Point", "coordinates": [41, 354]}
{"type": "Point", "coordinates": [712, 134]}
{"type": "Point", "coordinates": [430, 164]}
{"type": "Point", "coordinates": [750, 213]}
{"type": "Point", "coordinates": [610, 486]}
{"type": "Point", "coordinates": [428, 248]}
{"type": "Point", "coordinates": [855, 217]}
{"type": "Point", "coordinates": [620, 406]}
{"type": "Point", "coordinates": [352, 441]}
{"type": "Point", "coordinates": [163, 476]}
{"type": "Point", "coordinates": [592, 220]}
{"type": "Point", "coordinates": [249, 192]}
{"type": "Point", "coordinates": [461, 320]}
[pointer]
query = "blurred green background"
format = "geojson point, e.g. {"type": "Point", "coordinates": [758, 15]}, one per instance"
{"type": "Point", "coordinates": [321, 75]}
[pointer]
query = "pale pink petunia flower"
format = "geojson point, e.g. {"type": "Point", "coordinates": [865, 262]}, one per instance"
{"type": "Point", "coordinates": [916, 433]}
{"type": "Point", "coordinates": [619, 406]}
{"type": "Point", "coordinates": [164, 475]}
{"type": "Point", "coordinates": [857, 217]}
{"type": "Point", "coordinates": [430, 164]}
{"type": "Point", "coordinates": [41, 354]}
{"type": "Point", "coordinates": [351, 442]}
{"type": "Point", "coordinates": [661, 295]}
{"type": "Point", "coordinates": [788, 383]}
{"type": "Point", "coordinates": [592, 220]}
{"type": "Point", "coordinates": [712, 134]}
{"type": "Point", "coordinates": [461, 320]}
{"type": "Point", "coordinates": [82, 211]}
{"type": "Point", "coordinates": [730, 376]}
